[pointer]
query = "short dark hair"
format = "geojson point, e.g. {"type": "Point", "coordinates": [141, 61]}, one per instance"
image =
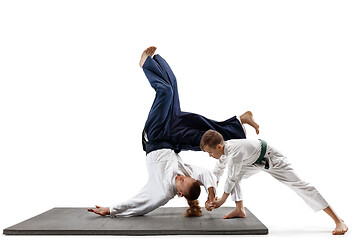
{"type": "Point", "coordinates": [211, 139]}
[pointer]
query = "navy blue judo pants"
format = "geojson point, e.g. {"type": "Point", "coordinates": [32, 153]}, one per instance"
{"type": "Point", "coordinates": [167, 126]}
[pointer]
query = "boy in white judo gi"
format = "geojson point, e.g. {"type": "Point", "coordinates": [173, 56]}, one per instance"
{"type": "Point", "coordinates": [245, 157]}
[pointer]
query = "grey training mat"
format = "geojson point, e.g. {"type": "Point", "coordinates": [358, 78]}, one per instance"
{"type": "Point", "coordinates": [162, 221]}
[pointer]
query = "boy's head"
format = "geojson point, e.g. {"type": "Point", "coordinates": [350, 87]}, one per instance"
{"type": "Point", "coordinates": [213, 143]}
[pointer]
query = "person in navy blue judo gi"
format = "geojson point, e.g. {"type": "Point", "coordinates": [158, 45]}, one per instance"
{"type": "Point", "coordinates": [167, 126]}
{"type": "Point", "coordinates": [167, 131]}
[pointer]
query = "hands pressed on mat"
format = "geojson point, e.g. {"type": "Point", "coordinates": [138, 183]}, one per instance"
{"type": "Point", "coordinates": [103, 211]}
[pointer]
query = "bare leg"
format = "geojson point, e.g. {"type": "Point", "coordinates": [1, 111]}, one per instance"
{"type": "Point", "coordinates": [248, 118]}
{"type": "Point", "coordinates": [147, 52]}
{"type": "Point", "coordinates": [341, 227]}
{"type": "Point", "coordinates": [239, 211]}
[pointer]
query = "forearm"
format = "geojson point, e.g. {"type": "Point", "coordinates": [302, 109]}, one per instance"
{"type": "Point", "coordinates": [222, 200]}
{"type": "Point", "coordinates": [224, 197]}
{"type": "Point", "coordinates": [126, 211]}
{"type": "Point", "coordinates": [218, 202]}
{"type": "Point", "coordinates": [145, 201]}
{"type": "Point", "coordinates": [133, 208]}
{"type": "Point", "coordinates": [211, 195]}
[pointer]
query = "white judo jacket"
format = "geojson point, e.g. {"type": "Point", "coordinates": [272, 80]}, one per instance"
{"type": "Point", "coordinates": [163, 165]}
{"type": "Point", "coordinates": [237, 152]}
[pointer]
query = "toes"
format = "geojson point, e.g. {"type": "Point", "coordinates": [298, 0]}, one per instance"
{"type": "Point", "coordinates": [339, 232]}
{"type": "Point", "coordinates": [152, 50]}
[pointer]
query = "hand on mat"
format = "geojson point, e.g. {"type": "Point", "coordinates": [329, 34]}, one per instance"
{"type": "Point", "coordinates": [103, 211]}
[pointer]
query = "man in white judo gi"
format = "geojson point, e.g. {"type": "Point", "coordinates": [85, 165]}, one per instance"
{"type": "Point", "coordinates": [245, 157]}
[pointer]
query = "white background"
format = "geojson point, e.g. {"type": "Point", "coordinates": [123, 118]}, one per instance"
{"type": "Point", "coordinates": [73, 100]}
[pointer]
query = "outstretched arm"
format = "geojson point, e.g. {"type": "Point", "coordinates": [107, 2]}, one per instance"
{"type": "Point", "coordinates": [146, 200]}
{"type": "Point", "coordinates": [208, 180]}
{"type": "Point", "coordinates": [211, 197]}
{"type": "Point", "coordinates": [218, 202]}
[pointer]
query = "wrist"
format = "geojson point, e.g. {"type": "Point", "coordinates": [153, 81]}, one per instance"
{"type": "Point", "coordinates": [224, 197]}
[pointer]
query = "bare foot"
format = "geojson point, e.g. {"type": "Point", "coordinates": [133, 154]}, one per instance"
{"type": "Point", "coordinates": [147, 52]}
{"type": "Point", "coordinates": [340, 228]}
{"type": "Point", "coordinates": [248, 118]}
{"type": "Point", "coordinates": [103, 211]}
{"type": "Point", "coordinates": [237, 213]}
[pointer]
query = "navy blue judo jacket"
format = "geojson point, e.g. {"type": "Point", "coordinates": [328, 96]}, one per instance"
{"type": "Point", "coordinates": [167, 126]}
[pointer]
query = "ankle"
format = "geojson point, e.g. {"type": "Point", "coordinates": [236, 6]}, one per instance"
{"type": "Point", "coordinates": [338, 221]}
{"type": "Point", "coordinates": [242, 119]}
{"type": "Point", "coordinates": [239, 207]}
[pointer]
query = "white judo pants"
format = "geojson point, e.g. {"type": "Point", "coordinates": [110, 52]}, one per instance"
{"type": "Point", "coordinates": [281, 170]}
